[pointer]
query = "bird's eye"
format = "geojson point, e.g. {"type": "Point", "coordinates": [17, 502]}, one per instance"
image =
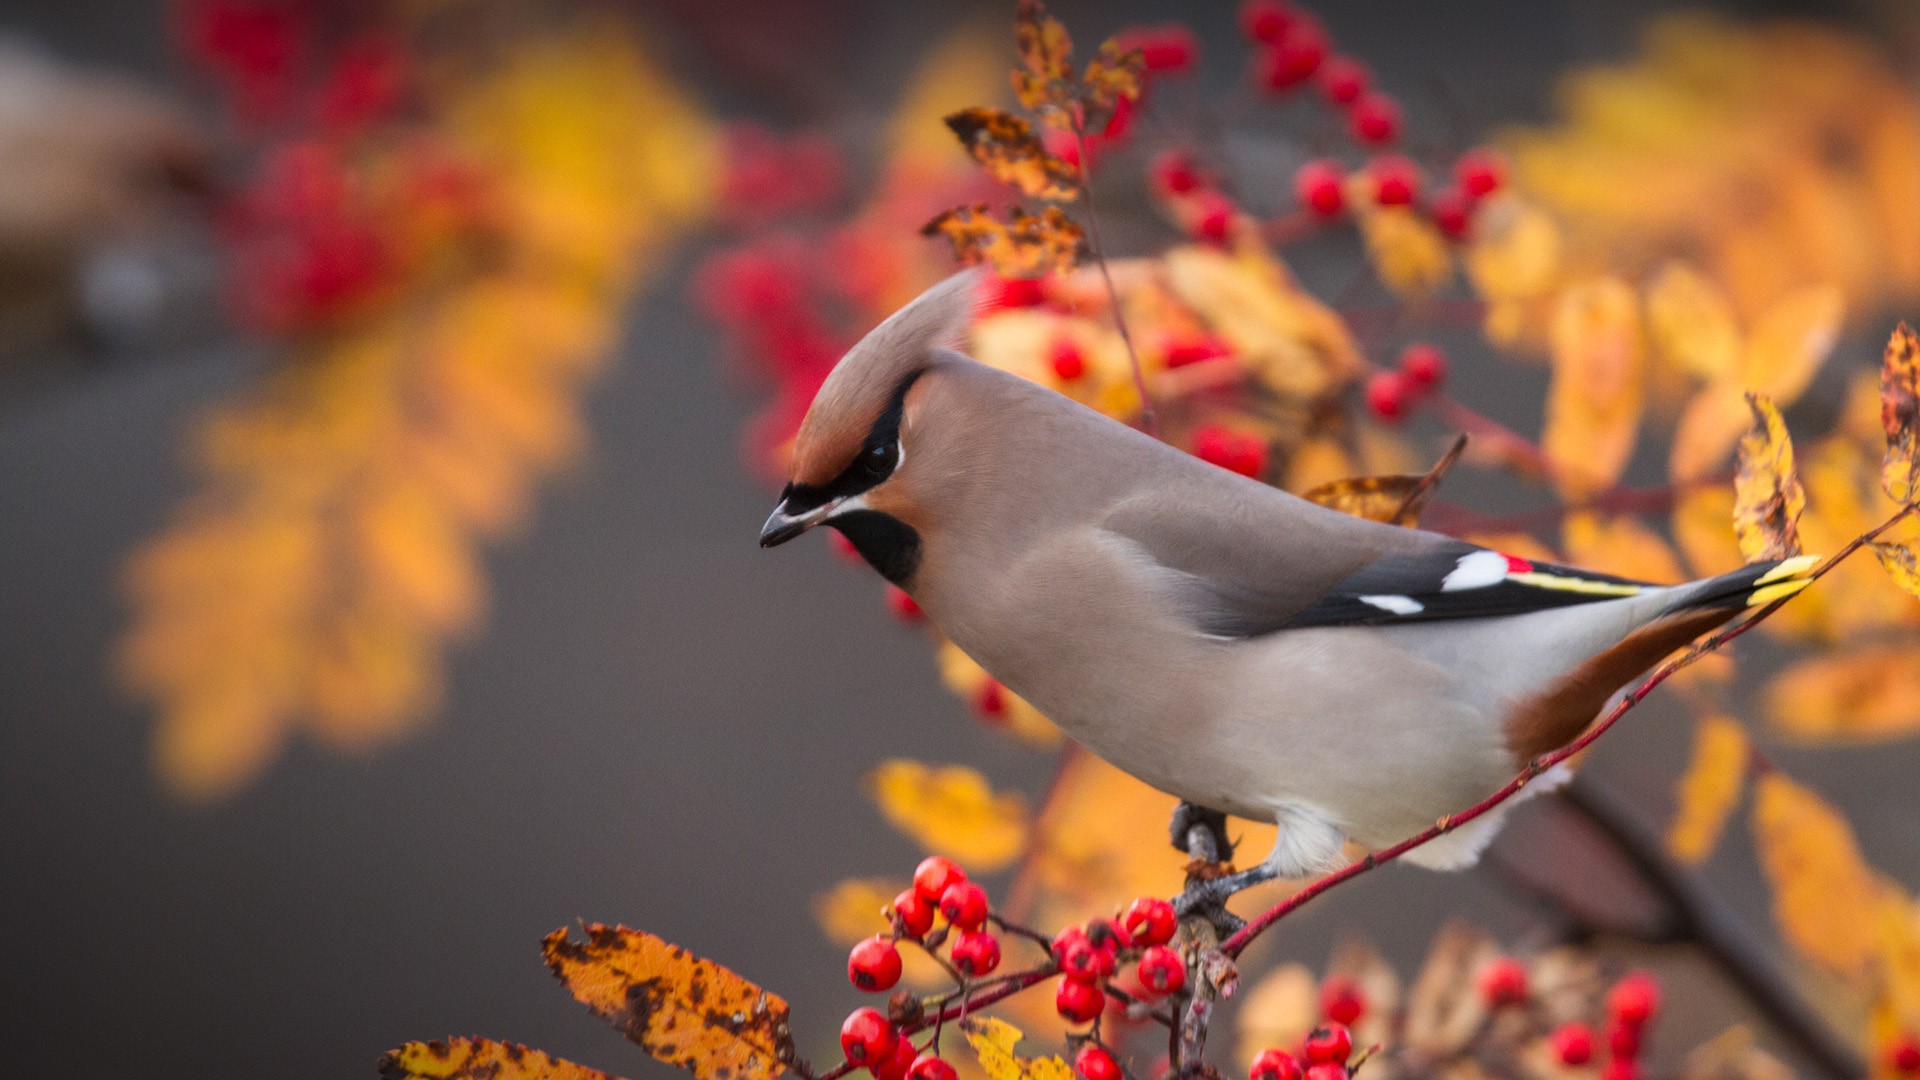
{"type": "Point", "coordinates": [879, 459]}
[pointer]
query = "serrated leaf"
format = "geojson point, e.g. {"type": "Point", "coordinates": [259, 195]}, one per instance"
{"type": "Point", "coordinates": [1768, 498]}
{"type": "Point", "coordinates": [951, 810]}
{"type": "Point", "coordinates": [1044, 80]}
{"type": "Point", "coordinates": [683, 1010]}
{"type": "Point", "coordinates": [1010, 151]}
{"type": "Point", "coordinates": [993, 1041]}
{"type": "Point", "coordinates": [1900, 416]}
{"type": "Point", "coordinates": [478, 1059]}
{"type": "Point", "coordinates": [1025, 245]}
{"type": "Point", "coordinates": [1599, 376]}
{"type": "Point", "coordinates": [1113, 76]}
{"type": "Point", "coordinates": [1824, 894]}
{"type": "Point", "coordinates": [1868, 693]}
{"type": "Point", "coordinates": [1396, 500]}
{"type": "Point", "coordinates": [1710, 788]}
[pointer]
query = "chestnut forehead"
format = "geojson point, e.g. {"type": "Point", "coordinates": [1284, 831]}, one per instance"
{"type": "Point", "coordinates": [836, 430]}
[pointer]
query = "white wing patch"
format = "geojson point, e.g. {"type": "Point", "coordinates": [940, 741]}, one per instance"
{"type": "Point", "coordinates": [1476, 571]}
{"type": "Point", "coordinates": [1397, 605]}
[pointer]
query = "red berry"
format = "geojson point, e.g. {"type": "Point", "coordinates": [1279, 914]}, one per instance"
{"type": "Point", "coordinates": [1634, 999]}
{"type": "Point", "coordinates": [1395, 178]}
{"type": "Point", "coordinates": [1265, 20]}
{"type": "Point", "coordinates": [1275, 1065]}
{"type": "Point", "coordinates": [867, 1037]}
{"type": "Point", "coordinates": [903, 606]}
{"type": "Point", "coordinates": [1164, 50]}
{"type": "Point", "coordinates": [1014, 293]}
{"type": "Point", "coordinates": [1094, 1063]}
{"type": "Point", "coordinates": [1623, 1039]}
{"type": "Point", "coordinates": [1327, 1070]}
{"type": "Point", "coordinates": [1231, 450]}
{"type": "Point", "coordinates": [1213, 221]}
{"type": "Point", "coordinates": [1295, 57]}
{"type": "Point", "coordinates": [1081, 959]}
{"type": "Point", "coordinates": [1504, 981]}
{"type": "Point", "coordinates": [1341, 1000]}
{"type": "Point", "coordinates": [1480, 172]}
{"type": "Point", "coordinates": [1069, 363]}
{"type": "Point", "coordinates": [1903, 1055]}
{"type": "Point", "coordinates": [1318, 185]}
{"type": "Point", "coordinates": [931, 1066]}
{"type": "Point", "coordinates": [1424, 365]}
{"type": "Point", "coordinates": [1108, 936]}
{"type": "Point", "coordinates": [1162, 971]}
{"type": "Point", "coordinates": [933, 876]}
{"type": "Point", "coordinates": [897, 1066]}
{"type": "Point", "coordinates": [1387, 395]}
{"type": "Point", "coordinates": [1452, 213]}
{"type": "Point", "coordinates": [1329, 1043]}
{"type": "Point", "coordinates": [990, 701]}
{"type": "Point", "coordinates": [1374, 119]}
{"type": "Point", "coordinates": [964, 904]}
{"type": "Point", "coordinates": [1621, 1069]}
{"type": "Point", "coordinates": [1180, 352]}
{"type": "Point", "coordinates": [1064, 942]}
{"type": "Point", "coordinates": [1150, 920]}
{"type": "Point", "coordinates": [1343, 79]}
{"type": "Point", "coordinates": [976, 953]}
{"type": "Point", "coordinates": [1174, 173]}
{"type": "Point", "coordinates": [916, 912]}
{"type": "Point", "coordinates": [874, 965]}
{"type": "Point", "coordinates": [1078, 1000]}
{"type": "Point", "coordinates": [1572, 1043]}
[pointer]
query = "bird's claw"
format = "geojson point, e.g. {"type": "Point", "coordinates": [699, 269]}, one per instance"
{"type": "Point", "coordinates": [1209, 898]}
{"type": "Point", "coordinates": [1187, 818]}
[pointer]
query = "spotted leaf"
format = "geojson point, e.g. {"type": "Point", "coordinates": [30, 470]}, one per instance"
{"type": "Point", "coordinates": [1010, 151]}
{"type": "Point", "coordinates": [1113, 76]}
{"type": "Point", "coordinates": [1044, 80]}
{"type": "Point", "coordinates": [1396, 500]}
{"type": "Point", "coordinates": [1768, 499]}
{"type": "Point", "coordinates": [1025, 245]}
{"type": "Point", "coordinates": [478, 1059]}
{"type": "Point", "coordinates": [993, 1042]}
{"type": "Point", "coordinates": [1900, 416]}
{"type": "Point", "coordinates": [683, 1010]}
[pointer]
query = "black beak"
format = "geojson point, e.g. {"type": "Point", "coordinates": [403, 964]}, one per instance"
{"type": "Point", "coordinates": [783, 526]}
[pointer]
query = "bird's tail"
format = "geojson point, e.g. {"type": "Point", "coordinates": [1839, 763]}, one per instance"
{"type": "Point", "coordinates": [1749, 586]}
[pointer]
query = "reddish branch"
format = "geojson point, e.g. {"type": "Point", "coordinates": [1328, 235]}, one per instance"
{"type": "Point", "coordinates": [1245, 936]}
{"type": "Point", "coordinates": [1000, 989]}
{"type": "Point", "coordinates": [1148, 422]}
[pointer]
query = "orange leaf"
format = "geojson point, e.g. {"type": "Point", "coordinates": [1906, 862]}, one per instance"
{"type": "Point", "coordinates": [478, 1059]}
{"type": "Point", "coordinates": [1824, 894]}
{"type": "Point", "coordinates": [1702, 528]}
{"type": "Point", "coordinates": [683, 1010]}
{"type": "Point", "coordinates": [1900, 416]}
{"type": "Point", "coordinates": [1691, 322]}
{"type": "Point", "coordinates": [1710, 788]}
{"type": "Point", "coordinates": [993, 1041]}
{"type": "Point", "coordinates": [1408, 253]}
{"type": "Point", "coordinates": [1901, 564]}
{"type": "Point", "coordinates": [1007, 147]}
{"type": "Point", "coordinates": [1768, 499]}
{"type": "Point", "coordinates": [1025, 245]}
{"type": "Point", "coordinates": [1113, 76]}
{"type": "Point", "coordinates": [1599, 376]}
{"type": "Point", "coordinates": [1867, 693]}
{"type": "Point", "coordinates": [1044, 81]}
{"type": "Point", "coordinates": [951, 810]}
{"type": "Point", "coordinates": [1395, 500]}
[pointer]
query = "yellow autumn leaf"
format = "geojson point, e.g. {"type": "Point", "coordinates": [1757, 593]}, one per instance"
{"type": "Point", "coordinates": [1709, 789]}
{"type": "Point", "coordinates": [951, 810]}
{"type": "Point", "coordinates": [1044, 81]}
{"type": "Point", "coordinates": [1901, 563]}
{"type": "Point", "coordinates": [1869, 692]}
{"type": "Point", "coordinates": [993, 1041]}
{"type": "Point", "coordinates": [1407, 251]}
{"type": "Point", "coordinates": [1824, 894]}
{"type": "Point", "coordinates": [1010, 151]}
{"type": "Point", "coordinates": [1897, 1009]}
{"type": "Point", "coordinates": [1900, 416]}
{"type": "Point", "coordinates": [683, 1010]}
{"type": "Point", "coordinates": [855, 909]}
{"type": "Point", "coordinates": [478, 1059]}
{"type": "Point", "coordinates": [1515, 250]}
{"type": "Point", "coordinates": [1691, 322]}
{"type": "Point", "coordinates": [1286, 335]}
{"type": "Point", "coordinates": [1768, 498]}
{"type": "Point", "coordinates": [1788, 344]}
{"type": "Point", "coordinates": [1599, 375]}
{"type": "Point", "coordinates": [1703, 529]}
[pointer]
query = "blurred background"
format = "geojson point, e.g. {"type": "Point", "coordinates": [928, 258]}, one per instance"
{"type": "Point", "coordinates": [577, 689]}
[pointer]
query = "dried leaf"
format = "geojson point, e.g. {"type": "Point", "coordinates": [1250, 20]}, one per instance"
{"type": "Point", "coordinates": [1866, 694]}
{"type": "Point", "coordinates": [1044, 80]}
{"type": "Point", "coordinates": [993, 1041]}
{"type": "Point", "coordinates": [1901, 564]}
{"type": "Point", "coordinates": [478, 1059]}
{"type": "Point", "coordinates": [1010, 151]}
{"type": "Point", "coordinates": [1824, 894]}
{"type": "Point", "coordinates": [1407, 251]}
{"type": "Point", "coordinates": [1710, 789]}
{"type": "Point", "coordinates": [1396, 500]}
{"type": "Point", "coordinates": [1900, 416]}
{"type": "Point", "coordinates": [683, 1010]}
{"type": "Point", "coordinates": [1691, 322]}
{"type": "Point", "coordinates": [1025, 245]}
{"type": "Point", "coordinates": [1113, 76]}
{"type": "Point", "coordinates": [952, 811]}
{"type": "Point", "coordinates": [1599, 376]}
{"type": "Point", "coordinates": [1768, 499]}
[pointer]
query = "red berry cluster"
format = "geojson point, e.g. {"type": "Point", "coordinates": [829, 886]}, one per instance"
{"type": "Point", "coordinates": [1232, 450]}
{"type": "Point", "coordinates": [1392, 394]}
{"type": "Point", "coordinates": [1167, 49]}
{"type": "Point", "coordinates": [767, 176]}
{"type": "Point", "coordinates": [871, 1041]}
{"type": "Point", "coordinates": [1293, 49]}
{"type": "Point", "coordinates": [1207, 212]}
{"type": "Point", "coordinates": [1631, 1006]}
{"type": "Point", "coordinates": [1088, 956]}
{"type": "Point", "coordinates": [1324, 1056]}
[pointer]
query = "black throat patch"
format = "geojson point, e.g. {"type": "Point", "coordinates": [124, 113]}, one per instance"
{"type": "Point", "coordinates": [889, 545]}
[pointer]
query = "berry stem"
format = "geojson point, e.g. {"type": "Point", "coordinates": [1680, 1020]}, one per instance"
{"type": "Point", "coordinates": [1246, 934]}
{"type": "Point", "coordinates": [1148, 422]}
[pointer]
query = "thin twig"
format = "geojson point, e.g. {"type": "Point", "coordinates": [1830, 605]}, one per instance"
{"type": "Point", "coordinates": [1000, 990]}
{"type": "Point", "coordinates": [1148, 423]}
{"type": "Point", "coordinates": [1245, 936]}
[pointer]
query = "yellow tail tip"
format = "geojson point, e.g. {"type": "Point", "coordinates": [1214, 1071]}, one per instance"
{"type": "Point", "coordinates": [1789, 568]}
{"type": "Point", "coordinates": [1779, 590]}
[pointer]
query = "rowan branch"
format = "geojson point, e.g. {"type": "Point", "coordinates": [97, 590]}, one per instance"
{"type": "Point", "coordinates": [1234, 945]}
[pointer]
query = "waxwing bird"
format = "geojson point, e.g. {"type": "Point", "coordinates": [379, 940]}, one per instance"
{"type": "Point", "coordinates": [1226, 642]}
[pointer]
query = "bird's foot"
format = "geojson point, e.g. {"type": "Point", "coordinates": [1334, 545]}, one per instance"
{"type": "Point", "coordinates": [1201, 833]}
{"type": "Point", "coordinates": [1207, 897]}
